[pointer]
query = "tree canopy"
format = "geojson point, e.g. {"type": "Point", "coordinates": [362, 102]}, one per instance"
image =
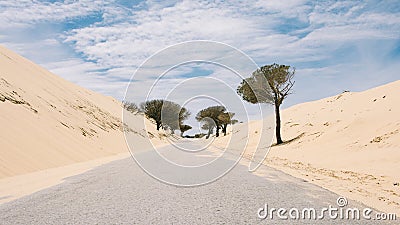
{"type": "Point", "coordinates": [173, 115]}
{"type": "Point", "coordinates": [269, 84]}
{"type": "Point", "coordinates": [184, 128]}
{"type": "Point", "coordinates": [165, 113]}
{"type": "Point", "coordinates": [226, 119]}
{"type": "Point", "coordinates": [215, 117]}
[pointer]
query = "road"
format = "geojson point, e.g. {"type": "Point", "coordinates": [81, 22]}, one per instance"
{"type": "Point", "coordinates": [120, 192]}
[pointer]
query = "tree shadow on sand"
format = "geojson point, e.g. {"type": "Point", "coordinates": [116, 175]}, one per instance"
{"type": "Point", "coordinates": [289, 141]}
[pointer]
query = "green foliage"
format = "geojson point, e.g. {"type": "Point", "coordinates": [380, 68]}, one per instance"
{"type": "Point", "coordinates": [209, 117]}
{"type": "Point", "coordinates": [183, 114]}
{"type": "Point", "coordinates": [255, 90]}
{"type": "Point", "coordinates": [225, 119]}
{"type": "Point", "coordinates": [170, 115]}
{"type": "Point", "coordinates": [166, 114]}
{"type": "Point", "coordinates": [268, 84]}
{"type": "Point", "coordinates": [214, 117]}
{"type": "Point", "coordinates": [184, 128]}
{"type": "Point", "coordinates": [152, 109]}
{"type": "Point", "coordinates": [199, 135]}
{"type": "Point", "coordinates": [208, 124]}
{"type": "Point", "coordinates": [212, 113]}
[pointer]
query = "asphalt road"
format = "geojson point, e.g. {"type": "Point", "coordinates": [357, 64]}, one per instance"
{"type": "Point", "coordinates": [122, 193]}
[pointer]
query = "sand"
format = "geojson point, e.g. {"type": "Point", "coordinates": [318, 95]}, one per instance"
{"type": "Point", "coordinates": [49, 125]}
{"type": "Point", "coordinates": [349, 144]}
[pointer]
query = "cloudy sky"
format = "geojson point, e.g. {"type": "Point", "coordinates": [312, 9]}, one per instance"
{"type": "Point", "coordinates": [99, 44]}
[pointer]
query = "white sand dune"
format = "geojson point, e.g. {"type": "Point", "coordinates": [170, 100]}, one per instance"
{"type": "Point", "coordinates": [48, 122]}
{"type": "Point", "coordinates": [349, 143]}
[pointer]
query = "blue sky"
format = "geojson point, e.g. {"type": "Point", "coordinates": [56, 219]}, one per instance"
{"type": "Point", "coordinates": [98, 44]}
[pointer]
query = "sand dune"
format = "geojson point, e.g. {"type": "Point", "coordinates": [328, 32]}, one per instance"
{"type": "Point", "coordinates": [349, 143]}
{"type": "Point", "coordinates": [48, 122]}
{"type": "Point", "coordinates": [363, 127]}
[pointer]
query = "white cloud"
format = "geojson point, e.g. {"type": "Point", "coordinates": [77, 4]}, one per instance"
{"type": "Point", "coordinates": [245, 26]}
{"type": "Point", "coordinates": [289, 8]}
{"type": "Point", "coordinates": [150, 30]}
{"type": "Point", "coordinates": [28, 12]}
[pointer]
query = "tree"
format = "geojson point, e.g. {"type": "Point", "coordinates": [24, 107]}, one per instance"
{"type": "Point", "coordinates": [269, 84]}
{"type": "Point", "coordinates": [152, 109]}
{"type": "Point", "coordinates": [210, 118]}
{"type": "Point", "coordinates": [173, 115]}
{"type": "Point", "coordinates": [225, 119]}
{"type": "Point", "coordinates": [166, 114]}
{"type": "Point", "coordinates": [183, 115]}
{"type": "Point", "coordinates": [208, 124]}
{"type": "Point", "coordinates": [184, 128]}
{"type": "Point", "coordinates": [130, 107]}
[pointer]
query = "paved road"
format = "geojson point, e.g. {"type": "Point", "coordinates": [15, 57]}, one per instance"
{"type": "Point", "coordinates": [121, 193]}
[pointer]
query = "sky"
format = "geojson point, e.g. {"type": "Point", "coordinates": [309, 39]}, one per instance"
{"type": "Point", "coordinates": [99, 44]}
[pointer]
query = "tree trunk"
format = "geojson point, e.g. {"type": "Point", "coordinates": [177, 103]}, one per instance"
{"type": "Point", "coordinates": [209, 133]}
{"type": "Point", "coordinates": [224, 129]}
{"type": "Point", "coordinates": [158, 125]}
{"type": "Point", "coordinates": [278, 123]}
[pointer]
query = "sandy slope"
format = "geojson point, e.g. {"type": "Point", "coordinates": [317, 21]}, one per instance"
{"type": "Point", "coordinates": [349, 143]}
{"type": "Point", "coordinates": [48, 122]}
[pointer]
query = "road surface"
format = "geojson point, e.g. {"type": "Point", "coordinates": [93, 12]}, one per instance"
{"type": "Point", "coordinates": [120, 192]}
